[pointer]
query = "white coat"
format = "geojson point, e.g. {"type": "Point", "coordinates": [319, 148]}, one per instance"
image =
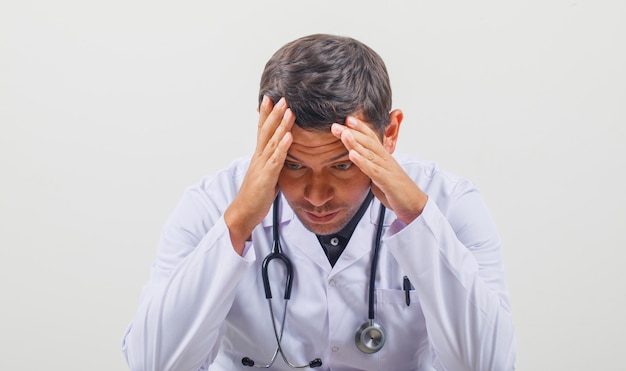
{"type": "Point", "coordinates": [204, 306]}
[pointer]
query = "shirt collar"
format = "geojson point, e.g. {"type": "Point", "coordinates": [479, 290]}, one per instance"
{"type": "Point", "coordinates": [346, 232]}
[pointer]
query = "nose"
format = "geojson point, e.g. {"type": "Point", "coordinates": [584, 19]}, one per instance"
{"type": "Point", "coordinates": [318, 190]}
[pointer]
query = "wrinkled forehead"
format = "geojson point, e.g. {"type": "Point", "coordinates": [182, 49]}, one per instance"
{"type": "Point", "coordinates": [315, 145]}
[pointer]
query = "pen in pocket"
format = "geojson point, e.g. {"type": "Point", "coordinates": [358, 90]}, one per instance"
{"type": "Point", "coordinates": [406, 286]}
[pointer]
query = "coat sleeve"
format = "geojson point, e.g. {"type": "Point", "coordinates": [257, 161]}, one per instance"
{"type": "Point", "coordinates": [452, 256]}
{"type": "Point", "coordinates": [178, 324]}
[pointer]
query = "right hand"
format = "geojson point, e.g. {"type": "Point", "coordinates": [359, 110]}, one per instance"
{"type": "Point", "coordinates": [260, 185]}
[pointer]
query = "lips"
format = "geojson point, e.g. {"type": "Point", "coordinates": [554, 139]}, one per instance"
{"type": "Point", "coordinates": [321, 218]}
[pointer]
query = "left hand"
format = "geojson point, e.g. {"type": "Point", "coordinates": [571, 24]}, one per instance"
{"type": "Point", "coordinates": [390, 183]}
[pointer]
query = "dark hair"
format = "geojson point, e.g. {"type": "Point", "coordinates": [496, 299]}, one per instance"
{"type": "Point", "coordinates": [325, 78]}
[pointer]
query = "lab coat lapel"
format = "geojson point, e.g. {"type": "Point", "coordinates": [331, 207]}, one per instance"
{"type": "Point", "coordinates": [285, 214]}
{"type": "Point", "coordinates": [297, 237]}
{"type": "Point", "coordinates": [362, 241]}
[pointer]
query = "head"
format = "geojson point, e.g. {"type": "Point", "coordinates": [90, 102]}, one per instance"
{"type": "Point", "coordinates": [325, 79]}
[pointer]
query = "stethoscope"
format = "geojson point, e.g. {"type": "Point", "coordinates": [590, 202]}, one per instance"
{"type": "Point", "coordinates": [369, 337]}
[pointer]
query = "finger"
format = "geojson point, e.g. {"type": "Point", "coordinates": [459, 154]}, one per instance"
{"type": "Point", "coordinates": [344, 134]}
{"type": "Point", "coordinates": [363, 132]}
{"type": "Point", "coordinates": [277, 137]}
{"type": "Point", "coordinates": [264, 110]}
{"type": "Point", "coordinates": [368, 163]}
{"type": "Point", "coordinates": [277, 159]}
{"type": "Point", "coordinates": [268, 169]}
{"type": "Point", "coordinates": [271, 118]}
{"type": "Point", "coordinates": [268, 127]}
{"type": "Point", "coordinates": [368, 154]}
{"type": "Point", "coordinates": [360, 126]}
{"type": "Point", "coordinates": [365, 145]}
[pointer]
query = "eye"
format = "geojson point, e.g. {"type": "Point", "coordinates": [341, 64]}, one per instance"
{"type": "Point", "coordinates": [292, 166]}
{"type": "Point", "coordinates": [343, 166]}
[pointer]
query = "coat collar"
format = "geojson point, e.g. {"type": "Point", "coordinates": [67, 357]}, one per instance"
{"type": "Point", "coordinates": [294, 236]}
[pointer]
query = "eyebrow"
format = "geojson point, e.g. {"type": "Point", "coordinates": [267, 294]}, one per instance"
{"type": "Point", "coordinates": [342, 155]}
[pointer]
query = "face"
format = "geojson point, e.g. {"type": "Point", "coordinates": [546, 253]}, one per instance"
{"type": "Point", "coordinates": [323, 187]}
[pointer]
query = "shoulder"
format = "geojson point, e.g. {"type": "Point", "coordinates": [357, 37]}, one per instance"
{"type": "Point", "coordinates": [457, 199]}
{"type": "Point", "coordinates": [226, 180]}
{"type": "Point", "coordinates": [216, 191]}
{"type": "Point", "coordinates": [428, 175]}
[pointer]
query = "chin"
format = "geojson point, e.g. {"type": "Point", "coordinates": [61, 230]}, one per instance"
{"type": "Point", "coordinates": [323, 229]}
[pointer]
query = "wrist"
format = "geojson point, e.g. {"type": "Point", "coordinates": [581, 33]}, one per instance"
{"type": "Point", "coordinates": [240, 231]}
{"type": "Point", "coordinates": [414, 209]}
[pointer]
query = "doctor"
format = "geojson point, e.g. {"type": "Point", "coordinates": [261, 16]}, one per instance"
{"type": "Point", "coordinates": [325, 188]}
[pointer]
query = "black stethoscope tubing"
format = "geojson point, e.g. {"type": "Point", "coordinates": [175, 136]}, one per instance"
{"type": "Point", "coordinates": [365, 342]}
{"type": "Point", "coordinates": [374, 267]}
{"type": "Point", "coordinates": [370, 336]}
{"type": "Point", "coordinates": [277, 253]}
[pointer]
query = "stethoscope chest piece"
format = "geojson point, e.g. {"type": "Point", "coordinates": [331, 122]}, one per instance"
{"type": "Point", "coordinates": [370, 337]}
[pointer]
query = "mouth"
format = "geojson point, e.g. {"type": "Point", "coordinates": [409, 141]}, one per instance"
{"type": "Point", "coordinates": [321, 218]}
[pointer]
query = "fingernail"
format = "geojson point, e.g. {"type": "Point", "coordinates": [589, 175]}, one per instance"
{"type": "Point", "coordinates": [281, 103]}
{"type": "Point", "coordinates": [351, 121]}
{"type": "Point", "coordinates": [286, 137]}
{"type": "Point", "coordinates": [337, 127]}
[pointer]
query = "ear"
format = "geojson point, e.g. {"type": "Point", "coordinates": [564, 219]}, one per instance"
{"type": "Point", "coordinates": [390, 135]}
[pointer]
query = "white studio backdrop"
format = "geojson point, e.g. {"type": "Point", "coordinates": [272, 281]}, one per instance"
{"type": "Point", "coordinates": [109, 109]}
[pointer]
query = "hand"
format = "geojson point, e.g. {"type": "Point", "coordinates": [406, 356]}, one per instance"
{"type": "Point", "coordinates": [260, 185]}
{"type": "Point", "coordinates": [390, 183]}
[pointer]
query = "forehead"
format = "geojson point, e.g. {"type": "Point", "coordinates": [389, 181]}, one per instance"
{"type": "Point", "coordinates": [314, 143]}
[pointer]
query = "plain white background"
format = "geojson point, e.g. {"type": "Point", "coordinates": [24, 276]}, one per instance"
{"type": "Point", "coordinates": [109, 109]}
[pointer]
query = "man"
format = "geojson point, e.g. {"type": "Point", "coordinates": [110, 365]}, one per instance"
{"type": "Point", "coordinates": [325, 147]}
